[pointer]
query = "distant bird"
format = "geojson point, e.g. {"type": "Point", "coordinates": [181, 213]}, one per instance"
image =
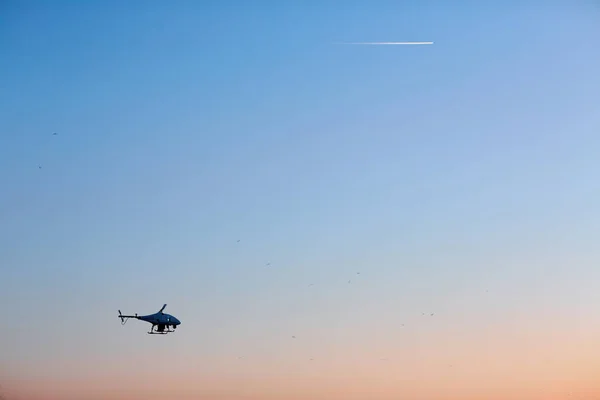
{"type": "Point", "coordinates": [312, 284]}
{"type": "Point", "coordinates": [238, 240]}
{"type": "Point", "coordinates": [311, 359]}
{"type": "Point", "coordinates": [293, 337]}
{"type": "Point", "coordinates": [358, 273]}
{"type": "Point", "coordinates": [268, 264]}
{"type": "Point", "coordinates": [39, 167]}
{"type": "Point", "coordinates": [349, 281]}
{"type": "Point", "coordinates": [54, 134]}
{"type": "Point", "coordinates": [432, 314]}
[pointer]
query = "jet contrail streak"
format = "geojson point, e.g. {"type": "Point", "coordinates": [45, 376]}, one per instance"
{"type": "Point", "coordinates": [389, 43]}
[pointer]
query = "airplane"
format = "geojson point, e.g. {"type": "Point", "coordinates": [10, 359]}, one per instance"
{"type": "Point", "coordinates": [159, 320]}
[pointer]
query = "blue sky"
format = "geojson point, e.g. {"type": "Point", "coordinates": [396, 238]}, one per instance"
{"type": "Point", "coordinates": [436, 171]}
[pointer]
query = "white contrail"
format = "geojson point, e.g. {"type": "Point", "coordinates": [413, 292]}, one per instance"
{"type": "Point", "coordinates": [388, 43]}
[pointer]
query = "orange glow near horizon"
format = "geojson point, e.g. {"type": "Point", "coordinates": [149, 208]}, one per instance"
{"type": "Point", "coordinates": [528, 365]}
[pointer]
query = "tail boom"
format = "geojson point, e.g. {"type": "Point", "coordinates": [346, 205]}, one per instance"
{"type": "Point", "coordinates": [124, 318]}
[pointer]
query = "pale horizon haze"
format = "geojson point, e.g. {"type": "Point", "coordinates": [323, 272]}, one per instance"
{"type": "Point", "coordinates": [369, 187]}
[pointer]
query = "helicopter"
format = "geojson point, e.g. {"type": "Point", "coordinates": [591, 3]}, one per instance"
{"type": "Point", "coordinates": [159, 320]}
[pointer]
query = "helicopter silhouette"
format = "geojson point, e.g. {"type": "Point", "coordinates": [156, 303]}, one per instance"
{"type": "Point", "coordinates": [159, 320]}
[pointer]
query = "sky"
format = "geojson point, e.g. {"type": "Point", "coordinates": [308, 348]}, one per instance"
{"type": "Point", "coordinates": [198, 142]}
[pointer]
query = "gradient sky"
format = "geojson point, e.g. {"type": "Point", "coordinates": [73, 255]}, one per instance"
{"type": "Point", "coordinates": [460, 179]}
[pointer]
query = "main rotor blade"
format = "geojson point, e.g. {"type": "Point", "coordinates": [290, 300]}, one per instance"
{"type": "Point", "coordinates": [388, 43]}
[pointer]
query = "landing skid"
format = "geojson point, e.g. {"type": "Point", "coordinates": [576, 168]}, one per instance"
{"type": "Point", "coordinates": [156, 332]}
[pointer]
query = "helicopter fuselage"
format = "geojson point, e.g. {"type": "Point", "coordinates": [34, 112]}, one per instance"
{"type": "Point", "coordinates": [160, 319]}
